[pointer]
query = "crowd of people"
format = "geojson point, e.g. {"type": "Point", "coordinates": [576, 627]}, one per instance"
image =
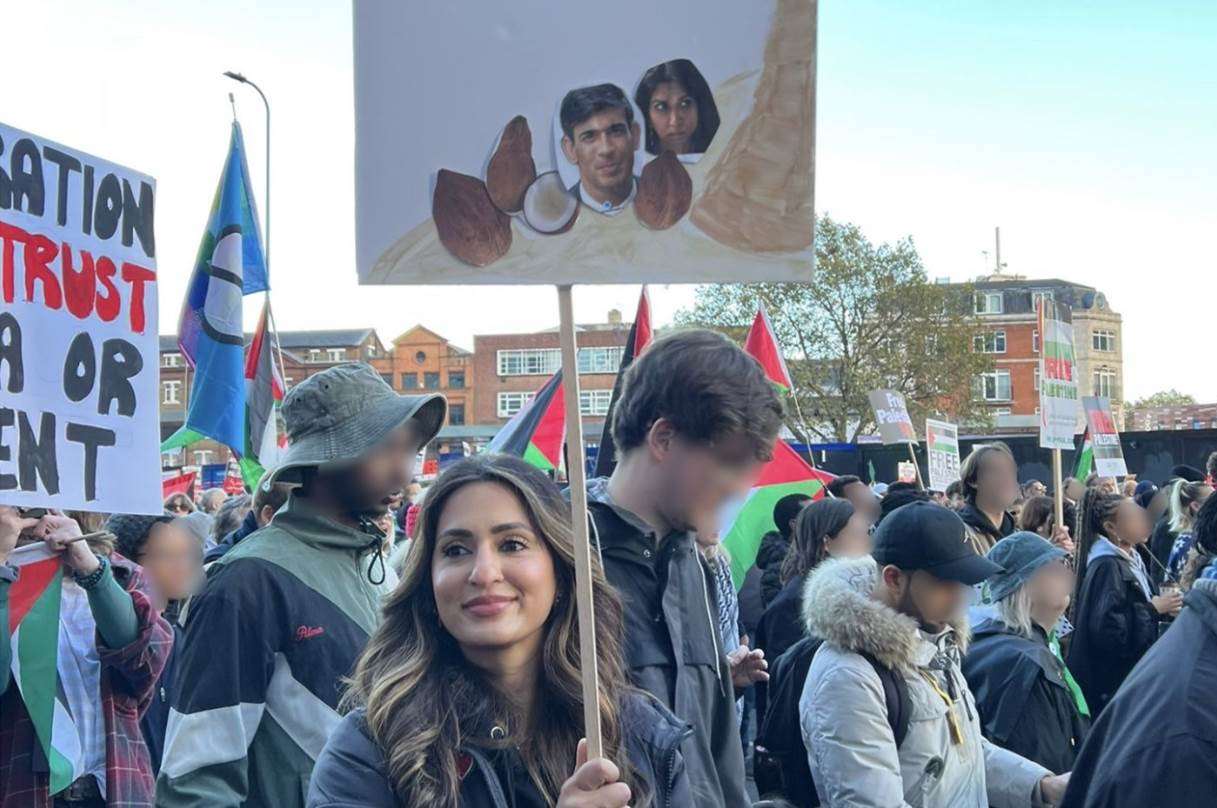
{"type": "Point", "coordinates": [341, 638]}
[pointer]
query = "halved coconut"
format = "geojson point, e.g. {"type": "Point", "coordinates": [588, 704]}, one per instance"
{"type": "Point", "coordinates": [511, 169]}
{"type": "Point", "coordinates": [549, 207]}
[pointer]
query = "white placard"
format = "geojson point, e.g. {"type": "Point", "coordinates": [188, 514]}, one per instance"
{"type": "Point", "coordinates": [942, 453]}
{"type": "Point", "coordinates": [79, 352]}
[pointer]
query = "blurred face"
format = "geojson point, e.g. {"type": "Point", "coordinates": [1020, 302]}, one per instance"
{"type": "Point", "coordinates": [179, 505]}
{"type": "Point", "coordinates": [1050, 589]}
{"type": "Point", "coordinates": [1036, 489]}
{"type": "Point", "coordinates": [699, 478]}
{"type": "Point", "coordinates": [173, 559]}
{"type": "Point", "coordinates": [931, 601]}
{"type": "Point", "coordinates": [603, 148]}
{"type": "Point", "coordinates": [997, 481]}
{"type": "Point", "coordinates": [1130, 524]}
{"type": "Point", "coordinates": [1195, 507]}
{"type": "Point", "coordinates": [673, 116]}
{"type": "Point", "coordinates": [493, 576]}
{"type": "Point", "coordinates": [368, 486]}
{"type": "Point", "coordinates": [1074, 490]}
{"type": "Point", "coordinates": [853, 541]}
{"type": "Point", "coordinates": [865, 503]}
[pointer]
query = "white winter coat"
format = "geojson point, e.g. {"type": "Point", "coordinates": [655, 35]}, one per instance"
{"type": "Point", "coordinates": [852, 752]}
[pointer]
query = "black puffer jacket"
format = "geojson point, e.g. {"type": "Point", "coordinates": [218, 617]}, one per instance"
{"type": "Point", "coordinates": [769, 557]}
{"type": "Point", "coordinates": [1024, 702]}
{"type": "Point", "coordinates": [352, 773]}
{"type": "Point", "coordinates": [1115, 624]}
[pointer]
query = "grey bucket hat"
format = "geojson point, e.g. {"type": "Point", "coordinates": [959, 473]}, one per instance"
{"type": "Point", "coordinates": [340, 414]}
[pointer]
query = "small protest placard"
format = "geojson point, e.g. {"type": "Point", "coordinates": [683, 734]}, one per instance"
{"type": "Point", "coordinates": [942, 453]}
{"type": "Point", "coordinates": [1104, 437]}
{"type": "Point", "coordinates": [892, 417]}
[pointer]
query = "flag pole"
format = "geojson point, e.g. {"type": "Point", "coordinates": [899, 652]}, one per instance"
{"type": "Point", "coordinates": [577, 475]}
{"type": "Point", "coordinates": [1058, 487]}
{"type": "Point", "coordinates": [916, 466]}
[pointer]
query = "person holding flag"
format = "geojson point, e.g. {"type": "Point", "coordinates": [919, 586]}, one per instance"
{"type": "Point", "coordinates": [90, 646]}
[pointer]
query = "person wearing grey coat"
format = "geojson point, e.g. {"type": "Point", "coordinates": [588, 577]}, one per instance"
{"type": "Point", "coordinates": [943, 760]}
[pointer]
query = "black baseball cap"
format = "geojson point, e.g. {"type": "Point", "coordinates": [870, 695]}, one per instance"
{"type": "Point", "coordinates": [927, 536]}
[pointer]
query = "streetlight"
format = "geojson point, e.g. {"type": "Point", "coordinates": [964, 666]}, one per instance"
{"type": "Point", "coordinates": [238, 77]}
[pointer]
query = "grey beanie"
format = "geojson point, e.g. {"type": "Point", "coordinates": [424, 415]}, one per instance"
{"type": "Point", "coordinates": [1020, 555]}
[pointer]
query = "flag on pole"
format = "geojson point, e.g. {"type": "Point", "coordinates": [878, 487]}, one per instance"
{"type": "Point", "coordinates": [762, 345]}
{"type": "Point", "coordinates": [1085, 462]}
{"type": "Point", "coordinates": [640, 337]}
{"type": "Point", "coordinates": [264, 389]}
{"type": "Point", "coordinates": [230, 264]}
{"type": "Point", "coordinates": [745, 522]}
{"type": "Point", "coordinates": [33, 623]}
{"type": "Point", "coordinates": [537, 431]}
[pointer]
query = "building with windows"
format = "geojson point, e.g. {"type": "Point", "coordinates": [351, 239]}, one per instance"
{"type": "Point", "coordinates": [1006, 306]}
{"type": "Point", "coordinates": [508, 369]}
{"type": "Point", "coordinates": [1178, 417]}
{"type": "Point", "coordinates": [422, 360]}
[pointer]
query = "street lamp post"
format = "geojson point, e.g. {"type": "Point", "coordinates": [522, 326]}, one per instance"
{"type": "Point", "coordinates": [241, 78]}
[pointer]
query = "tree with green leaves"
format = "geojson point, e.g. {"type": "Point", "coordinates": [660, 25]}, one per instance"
{"type": "Point", "coordinates": [1163, 398]}
{"type": "Point", "coordinates": [869, 319]}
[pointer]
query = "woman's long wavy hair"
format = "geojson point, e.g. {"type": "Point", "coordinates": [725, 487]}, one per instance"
{"type": "Point", "coordinates": [425, 703]}
{"type": "Point", "coordinates": [817, 523]}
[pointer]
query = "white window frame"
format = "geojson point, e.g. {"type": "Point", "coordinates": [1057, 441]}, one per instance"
{"type": "Point", "coordinates": [314, 355]}
{"type": "Point", "coordinates": [171, 391]}
{"type": "Point", "coordinates": [996, 377]}
{"type": "Point", "coordinates": [528, 361]}
{"type": "Point", "coordinates": [1036, 375]}
{"type": "Point", "coordinates": [508, 403]}
{"type": "Point", "coordinates": [1035, 341]}
{"type": "Point", "coordinates": [990, 342]}
{"type": "Point", "coordinates": [984, 303]}
{"type": "Point", "coordinates": [1042, 294]}
{"type": "Point", "coordinates": [336, 354]}
{"type": "Point", "coordinates": [600, 359]}
{"type": "Point", "coordinates": [1103, 339]}
{"type": "Point", "coordinates": [595, 402]}
{"type": "Point", "coordinates": [1105, 382]}
{"type": "Point", "coordinates": [171, 360]}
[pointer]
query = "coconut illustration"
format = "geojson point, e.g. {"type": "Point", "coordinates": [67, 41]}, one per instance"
{"type": "Point", "coordinates": [511, 169]}
{"type": "Point", "coordinates": [467, 222]}
{"type": "Point", "coordinates": [550, 208]}
{"type": "Point", "coordinates": [665, 191]}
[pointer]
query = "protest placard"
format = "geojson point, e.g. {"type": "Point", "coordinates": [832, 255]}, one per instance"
{"type": "Point", "coordinates": [942, 453]}
{"type": "Point", "coordinates": [1104, 437]}
{"type": "Point", "coordinates": [892, 417]}
{"type": "Point", "coordinates": [79, 413]}
{"type": "Point", "coordinates": [1058, 378]}
{"type": "Point", "coordinates": [475, 126]}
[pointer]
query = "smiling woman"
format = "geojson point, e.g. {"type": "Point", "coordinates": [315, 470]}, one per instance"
{"type": "Point", "coordinates": [476, 667]}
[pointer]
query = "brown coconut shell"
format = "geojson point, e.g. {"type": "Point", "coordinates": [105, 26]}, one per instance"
{"type": "Point", "coordinates": [665, 192]}
{"type": "Point", "coordinates": [468, 223]}
{"type": "Point", "coordinates": [511, 169]}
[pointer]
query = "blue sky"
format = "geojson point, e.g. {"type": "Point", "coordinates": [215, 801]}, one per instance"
{"type": "Point", "coordinates": [1085, 129]}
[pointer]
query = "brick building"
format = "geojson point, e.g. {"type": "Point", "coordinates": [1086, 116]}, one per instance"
{"type": "Point", "coordinates": [1183, 416]}
{"type": "Point", "coordinates": [1006, 308]}
{"type": "Point", "coordinates": [304, 353]}
{"type": "Point", "coordinates": [508, 369]}
{"type": "Point", "coordinates": [423, 360]}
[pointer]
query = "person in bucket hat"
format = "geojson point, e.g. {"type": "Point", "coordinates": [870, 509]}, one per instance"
{"type": "Point", "coordinates": [285, 613]}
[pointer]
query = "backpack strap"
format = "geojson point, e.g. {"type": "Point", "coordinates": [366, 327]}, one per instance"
{"type": "Point", "coordinates": [895, 698]}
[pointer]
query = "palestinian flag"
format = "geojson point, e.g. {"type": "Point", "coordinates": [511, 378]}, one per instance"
{"type": "Point", "coordinates": [1085, 462]}
{"type": "Point", "coordinates": [640, 337]}
{"type": "Point", "coordinates": [33, 623]}
{"type": "Point", "coordinates": [744, 523]}
{"type": "Point", "coordinates": [537, 431]}
{"type": "Point", "coordinates": [762, 345]}
{"type": "Point", "coordinates": [264, 389]}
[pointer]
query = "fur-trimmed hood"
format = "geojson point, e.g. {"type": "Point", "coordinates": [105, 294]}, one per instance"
{"type": "Point", "coordinates": [838, 607]}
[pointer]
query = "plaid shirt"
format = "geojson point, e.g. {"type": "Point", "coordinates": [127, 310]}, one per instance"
{"type": "Point", "coordinates": [129, 677]}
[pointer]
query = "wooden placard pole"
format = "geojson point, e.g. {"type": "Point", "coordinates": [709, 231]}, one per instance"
{"type": "Point", "coordinates": [576, 469]}
{"type": "Point", "coordinates": [1058, 488]}
{"type": "Point", "coordinates": [916, 465]}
